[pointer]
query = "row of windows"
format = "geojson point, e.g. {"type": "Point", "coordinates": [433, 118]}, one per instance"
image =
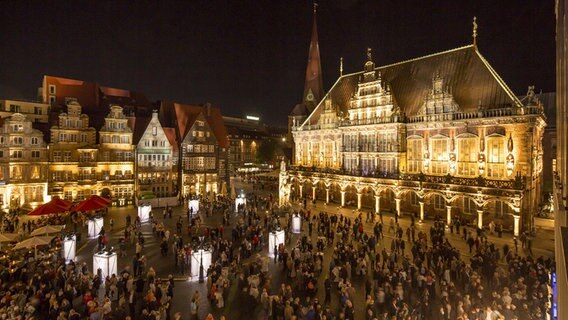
{"type": "Point", "coordinates": [16, 108]}
{"type": "Point", "coordinates": [20, 172]}
{"type": "Point", "coordinates": [154, 143]}
{"type": "Point", "coordinates": [124, 139]}
{"type": "Point", "coordinates": [200, 163]}
{"type": "Point", "coordinates": [91, 156]}
{"type": "Point", "coordinates": [20, 154]}
{"type": "Point", "coordinates": [21, 140]}
{"type": "Point", "coordinates": [199, 148]}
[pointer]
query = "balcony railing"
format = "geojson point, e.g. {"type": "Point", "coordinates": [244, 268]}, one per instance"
{"type": "Point", "coordinates": [514, 184]}
{"type": "Point", "coordinates": [486, 113]}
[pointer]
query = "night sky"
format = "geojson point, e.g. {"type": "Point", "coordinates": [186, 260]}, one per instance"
{"type": "Point", "coordinates": [249, 57]}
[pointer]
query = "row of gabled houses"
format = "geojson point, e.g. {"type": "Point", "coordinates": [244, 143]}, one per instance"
{"type": "Point", "coordinates": [80, 138]}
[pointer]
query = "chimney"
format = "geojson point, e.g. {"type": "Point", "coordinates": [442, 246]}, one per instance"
{"type": "Point", "coordinates": [208, 107]}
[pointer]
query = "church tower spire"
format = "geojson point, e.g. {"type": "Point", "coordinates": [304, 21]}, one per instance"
{"type": "Point", "coordinates": [313, 87]}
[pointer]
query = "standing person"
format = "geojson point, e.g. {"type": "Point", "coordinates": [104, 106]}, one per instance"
{"type": "Point", "coordinates": [111, 223]}
{"type": "Point", "coordinates": [327, 285]}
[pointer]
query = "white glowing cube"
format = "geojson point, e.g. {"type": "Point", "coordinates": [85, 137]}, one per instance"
{"type": "Point", "coordinates": [239, 201]}
{"type": "Point", "coordinates": [68, 249]}
{"type": "Point", "coordinates": [106, 261]}
{"type": "Point", "coordinates": [194, 206]}
{"type": "Point", "coordinates": [94, 227]}
{"type": "Point", "coordinates": [296, 224]}
{"type": "Point", "coordinates": [275, 238]}
{"type": "Point", "coordinates": [144, 212]}
{"type": "Point", "coordinates": [197, 257]}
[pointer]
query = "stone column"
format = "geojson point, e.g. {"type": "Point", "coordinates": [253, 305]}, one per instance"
{"type": "Point", "coordinates": [343, 198]}
{"type": "Point", "coordinates": [377, 204]}
{"type": "Point", "coordinates": [313, 193]}
{"type": "Point", "coordinates": [449, 215]}
{"type": "Point", "coordinates": [359, 196]}
{"type": "Point", "coordinates": [421, 203]}
{"type": "Point", "coordinates": [326, 195]}
{"type": "Point", "coordinates": [397, 201]}
{"type": "Point", "coordinates": [301, 191]}
{"type": "Point", "coordinates": [516, 225]}
{"type": "Point", "coordinates": [480, 219]}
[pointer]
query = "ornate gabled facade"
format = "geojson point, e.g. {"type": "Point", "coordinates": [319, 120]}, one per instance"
{"type": "Point", "coordinates": [199, 158]}
{"type": "Point", "coordinates": [202, 146]}
{"type": "Point", "coordinates": [438, 135]}
{"type": "Point", "coordinates": [23, 164]}
{"type": "Point", "coordinates": [72, 155]}
{"type": "Point", "coordinates": [154, 163]}
{"type": "Point", "coordinates": [115, 168]}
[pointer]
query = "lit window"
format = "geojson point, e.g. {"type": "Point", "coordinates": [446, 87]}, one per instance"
{"type": "Point", "coordinates": [467, 156]}
{"type": "Point", "coordinates": [439, 156]}
{"type": "Point", "coordinates": [414, 155]}
{"type": "Point", "coordinates": [496, 157]}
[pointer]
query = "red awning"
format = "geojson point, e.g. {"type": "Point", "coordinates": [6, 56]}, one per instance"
{"type": "Point", "coordinates": [47, 208]}
{"type": "Point", "coordinates": [90, 204]}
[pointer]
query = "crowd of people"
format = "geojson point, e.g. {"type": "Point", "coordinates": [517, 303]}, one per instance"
{"type": "Point", "coordinates": [338, 267]}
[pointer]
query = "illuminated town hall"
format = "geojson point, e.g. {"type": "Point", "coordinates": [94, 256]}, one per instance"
{"type": "Point", "coordinates": [439, 135]}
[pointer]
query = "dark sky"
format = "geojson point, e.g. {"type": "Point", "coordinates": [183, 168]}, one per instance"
{"type": "Point", "coordinates": [250, 56]}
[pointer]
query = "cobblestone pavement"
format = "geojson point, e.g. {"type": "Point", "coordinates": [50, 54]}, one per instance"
{"type": "Point", "coordinates": [238, 305]}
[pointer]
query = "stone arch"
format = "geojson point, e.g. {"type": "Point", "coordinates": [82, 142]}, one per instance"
{"type": "Point", "coordinates": [320, 190]}
{"type": "Point", "coordinates": [335, 192]}
{"type": "Point", "coordinates": [307, 188]}
{"type": "Point", "coordinates": [387, 202]}
{"type": "Point", "coordinates": [368, 197]}
{"type": "Point", "coordinates": [498, 210]}
{"type": "Point", "coordinates": [465, 206]}
{"type": "Point", "coordinates": [409, 203]}
{"type": "Point", "coordinates": [350, 196]}
{"type": "Point", "coordinates": [433, 204]}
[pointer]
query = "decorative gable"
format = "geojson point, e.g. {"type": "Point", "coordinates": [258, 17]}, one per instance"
{"type": "Point", "coordinates": [438, 100]}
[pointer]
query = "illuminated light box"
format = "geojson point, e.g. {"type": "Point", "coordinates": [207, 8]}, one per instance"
{"type": "Point", "coordinates": [296, 224]}
{"type": "Point", "coordinates": [239, 201]}
{"type": "Point", "coordinates": [106, 261]}
{"type": "Point", "coordinates": [275, 238]}
{"type": "Point", "coordinates": [196, 258]}
{"type": "Point", "coordinates": [94, 226]}
{"type": "Point", "coordinates": [144, 212]}
{"type": "Point", "coordinates": [194, 204]}
{"type": "Point", "coordinates": [68, 249]}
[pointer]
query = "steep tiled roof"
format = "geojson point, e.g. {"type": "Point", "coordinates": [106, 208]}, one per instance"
{"type": "Point", "coordinates": [139, 126]}
{"type": "Point", "coordinates": [95, 99]}
{"type": "Point", "coordinates": [171, 135]}
{"type": "Point", "coordinates": [466, 73]}
{"type": "Point", "coordinates": [182, 116]}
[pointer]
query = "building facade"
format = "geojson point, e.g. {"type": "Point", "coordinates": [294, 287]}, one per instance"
{"type": "Point", "coordinates": [34, 111]}
{"type": "Point", "coordinates": [23, 164]}
{"type": "Point", "coordinates": [115, 165]}
{"type": "Point", "coordinates": [155, 171]}
{"type": "Point", "coordinates": [560, 282]}
{"type": "Point", "coordinates": [72, 155]}
{"type": "Point", "coordinates": [199, 158]}
{"type": "Point", "coordinates": [440, 135]}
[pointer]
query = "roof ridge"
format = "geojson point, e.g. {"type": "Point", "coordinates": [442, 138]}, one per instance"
{"type": "Point", "coordinates": [413, 59]}
{"type": "Point", "coordinates": [502, 83]}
